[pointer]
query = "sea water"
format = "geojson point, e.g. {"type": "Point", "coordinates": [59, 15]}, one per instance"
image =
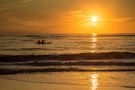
{"type": "Point", "coordinates": [69, 45]}
{"type": "Point", "coordinates": [66, 44]}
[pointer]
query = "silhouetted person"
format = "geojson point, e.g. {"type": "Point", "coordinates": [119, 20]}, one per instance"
{"type": "Point", "coordinates": [43, 41]}
{"type": "Point", "coordinates": [39, 42]}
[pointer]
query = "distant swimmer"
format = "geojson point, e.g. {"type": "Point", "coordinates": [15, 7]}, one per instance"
{"type": "Point", "coordinates": [39, 42]}
{"type": "Point", "coordinates": [43, 42]}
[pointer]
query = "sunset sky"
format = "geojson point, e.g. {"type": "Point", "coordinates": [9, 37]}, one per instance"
{"type": "Point", "coordinates": [67, 16]}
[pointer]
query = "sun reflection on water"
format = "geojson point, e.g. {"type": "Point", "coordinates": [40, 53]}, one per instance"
{"type": "Point", "coordinates": [94, 39]}
{"type": "Point", "coordinates": [94, 81]}
{"type": "Point", "coordinates": [93, 42]}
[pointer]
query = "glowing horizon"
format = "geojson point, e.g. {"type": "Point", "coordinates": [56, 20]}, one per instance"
{"type": "Point", "coordinates": [69, 16]}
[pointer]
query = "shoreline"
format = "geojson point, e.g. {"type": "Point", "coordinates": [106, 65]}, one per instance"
{"type": "Point", "coordinates": [28, 71]}
{"type": "Point", "coordinates": [69, 81]}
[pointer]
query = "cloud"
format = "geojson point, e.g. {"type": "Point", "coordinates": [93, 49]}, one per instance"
{"type": "Point", "coordinates": [13, 21]}
{"type": "Point", "coordinates": [25, 1]}
{"type": "Point", "coordinates": [6, 6]}
{"type": "Point", "coordinates": [128, 20]}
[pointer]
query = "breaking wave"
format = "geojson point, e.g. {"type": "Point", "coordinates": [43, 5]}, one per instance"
{"type": "Point", "coordinates": [79, 56]}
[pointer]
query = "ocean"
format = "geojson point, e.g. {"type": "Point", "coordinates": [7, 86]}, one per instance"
{"type": "Point", "coordinates": [66, 44]}
{"type": "Point", "coordinates": [70, 62]}
{"type": "Point", "coordinates": [93, 52]}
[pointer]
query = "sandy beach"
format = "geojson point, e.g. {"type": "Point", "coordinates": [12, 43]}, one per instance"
{"type": "Point", "coordinates": [69, 81]}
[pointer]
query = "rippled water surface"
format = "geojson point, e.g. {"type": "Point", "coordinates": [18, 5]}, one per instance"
{"type": "Point", "coordinates": [25, 44]}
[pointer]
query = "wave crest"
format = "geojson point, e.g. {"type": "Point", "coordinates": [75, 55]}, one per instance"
{"type": "Point", "coordinates": [80, 56]}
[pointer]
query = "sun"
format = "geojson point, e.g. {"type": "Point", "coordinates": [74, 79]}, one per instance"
{"type": "Point", "coordinates": [94, 19]}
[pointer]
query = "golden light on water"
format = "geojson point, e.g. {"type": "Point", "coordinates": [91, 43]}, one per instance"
{"type": "Point", "coordinates": [94, 40]}
{"type": "Point", "coordinates": [94, 81]}
{"type": "Point", "coordinates": [94, 37]}
{"type": "Point", "coordinates": [94, 34]}
{"type": "Point", "coordinates": [93, 44]}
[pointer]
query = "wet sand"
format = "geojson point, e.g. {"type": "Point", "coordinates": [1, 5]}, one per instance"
{"type": "Point", "coordinates": [69, 81]}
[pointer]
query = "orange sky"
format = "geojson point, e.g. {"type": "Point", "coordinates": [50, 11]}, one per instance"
{"type": "Point", "coordinates": [67, 16]}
